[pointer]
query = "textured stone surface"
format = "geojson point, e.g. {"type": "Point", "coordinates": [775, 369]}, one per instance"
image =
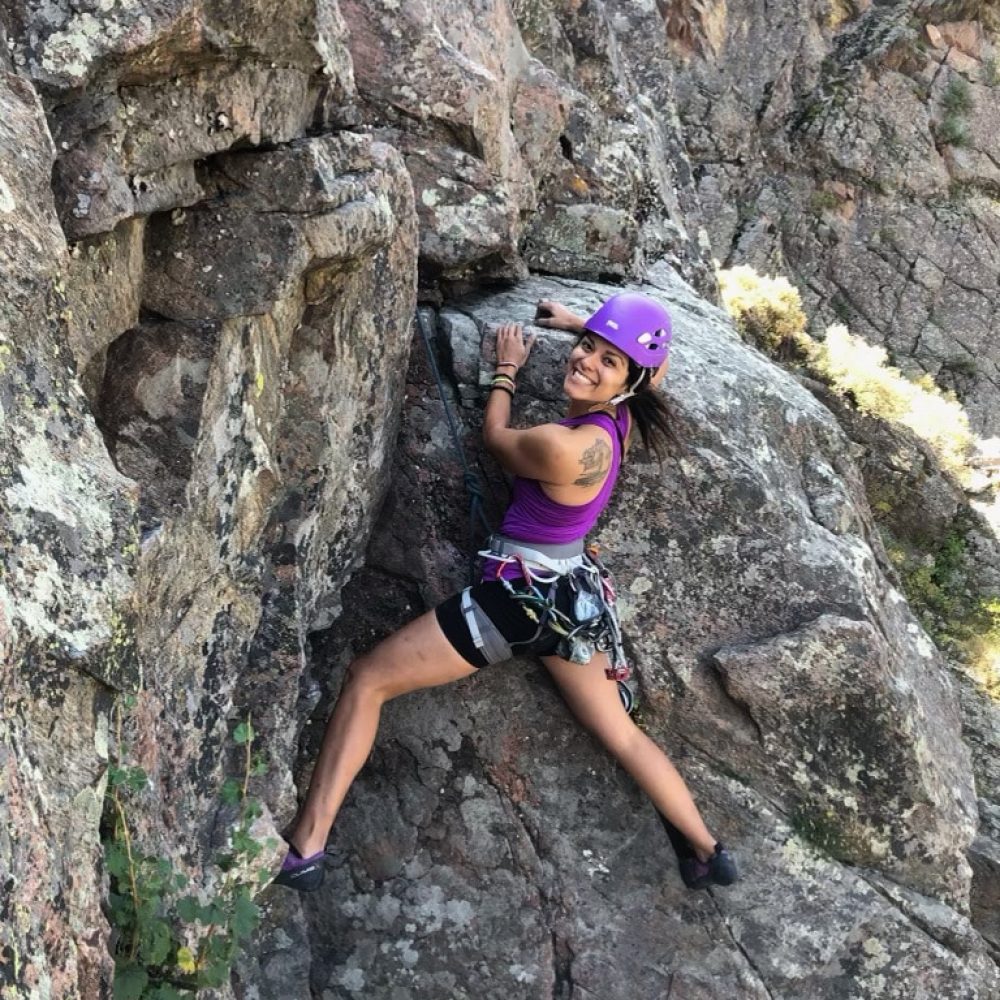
{"type": "Point", "coordinates": [835, 743]}
{"type": "Point", "coordinates": [66, 532]}
{"type": "Point", "coordinates": [257, 418]}
{"type": "Point", "coordinates": [565, 170]}
{"type": "Point", "coordinates": [278, 479]}
{"type": "Point", "coordinates": [103, 285]}
{"type": "Point", "coordinates": [835, 145]}
{"type": "Point", "coordinates": [150, 409]}
{"type": "Point", "coordinates": [137, 99]}
{"type": "Point", "coordinates": [623, 195]}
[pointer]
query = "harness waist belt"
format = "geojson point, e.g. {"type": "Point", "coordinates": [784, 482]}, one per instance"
{"type": "Point", "coordinates": [558, 558]}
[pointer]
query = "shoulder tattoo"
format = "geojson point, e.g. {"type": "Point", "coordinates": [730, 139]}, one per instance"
{"type": "Point", "coordinates": [596, 461]}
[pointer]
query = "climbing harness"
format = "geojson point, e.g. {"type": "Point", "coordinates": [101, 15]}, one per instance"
{"type": "Point", "coordinates": [592, 622]}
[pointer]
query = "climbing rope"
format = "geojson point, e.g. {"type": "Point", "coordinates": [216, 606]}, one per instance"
{"type": "Point", "coordinates": [477, 512]}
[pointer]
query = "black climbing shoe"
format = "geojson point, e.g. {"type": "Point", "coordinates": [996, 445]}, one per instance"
{"type": "Point", "coordinates": [719, 869]}
{"type": "Point", "coordinates": [303, 874]}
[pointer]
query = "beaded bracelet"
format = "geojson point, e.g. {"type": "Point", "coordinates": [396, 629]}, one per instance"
{"type": "Point", "coordinates": [499, 377]}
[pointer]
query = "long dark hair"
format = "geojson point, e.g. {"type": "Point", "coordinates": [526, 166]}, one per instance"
{"type": "Point", "coordinates": [651, 413]}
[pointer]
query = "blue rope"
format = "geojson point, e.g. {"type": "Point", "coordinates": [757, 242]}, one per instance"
{"type": "Point", "coordinates": [469, 477]}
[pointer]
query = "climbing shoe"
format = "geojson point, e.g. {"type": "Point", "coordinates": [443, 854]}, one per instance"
{"type": "Point", "coordinates": [303, 874]}
{"type": "Point", "coordinates": [719, 869]}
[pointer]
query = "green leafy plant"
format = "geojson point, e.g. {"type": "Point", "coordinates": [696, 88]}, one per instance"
{"type": "Point", "coordinates": [769, 311]}
{"type": "Point", "coordinates": [940, 584]}
{"type": "Point", "coordinates": [172, 941]}
{"type": "Point", "coordinates": [983, 643]}
{"type": "Point", "coordinates": [964, 365]}
{"type": "Point", "coordinates": [861, 370]}
{"type": "Point", "coordinates": [956, 102]}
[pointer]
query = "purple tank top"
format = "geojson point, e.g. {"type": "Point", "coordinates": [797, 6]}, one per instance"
{"type": "Point", "coordinates": [533, 516]}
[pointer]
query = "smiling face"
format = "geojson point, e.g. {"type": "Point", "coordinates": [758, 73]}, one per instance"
{"type": "Point", "coordinates": [596, 371]}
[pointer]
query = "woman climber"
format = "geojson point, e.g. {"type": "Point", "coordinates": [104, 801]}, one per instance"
{"type": "Point", "coordinates": [541, 592]}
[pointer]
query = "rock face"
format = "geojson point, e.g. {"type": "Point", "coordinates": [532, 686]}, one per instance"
{"type": "Point", "coordinates": [66, 526]}
{"type": "Point", "coordinates": [855, 147]}
{"type": "Point", "coordinates": [513, 163]}
{"type": "Point", "coordinates": [213, 222]}
{"type": "Point", "coordinates": [298, 388]}
{"type": "Point", "coordinates": [850, 146]}
{"type": "Point", "coordinates": [233, 360]}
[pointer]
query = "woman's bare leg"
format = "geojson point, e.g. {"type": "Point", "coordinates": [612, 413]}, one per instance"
{"type": "Point", "coordinates": [594, 700]}
{"type": "Point", "coordinates": [417, 656]}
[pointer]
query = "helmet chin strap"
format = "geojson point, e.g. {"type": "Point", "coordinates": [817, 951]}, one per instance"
{"type": "Point", "coordinates": [622, 396]}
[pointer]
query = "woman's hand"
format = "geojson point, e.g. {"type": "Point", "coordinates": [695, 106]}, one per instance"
{"type": "Point", "coordinates": [511, 347]}
{"type": "Point", "coordinates": [556, 316]}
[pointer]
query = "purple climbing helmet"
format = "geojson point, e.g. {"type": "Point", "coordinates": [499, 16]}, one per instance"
{"type": "Point", "coordinates": [637, 325]}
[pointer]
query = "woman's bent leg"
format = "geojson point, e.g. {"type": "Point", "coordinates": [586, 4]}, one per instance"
{"type": "Point", "coordinates": [594, 700]}
{"type": "Point", "coordinates": [417, 656]}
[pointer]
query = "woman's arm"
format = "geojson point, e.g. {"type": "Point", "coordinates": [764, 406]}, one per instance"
{"type": "Point", "coordinates": [550, 453]}
{"type": "Point", "coordinates": [556, 316]}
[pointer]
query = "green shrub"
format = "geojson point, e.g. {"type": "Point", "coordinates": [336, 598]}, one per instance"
{"type": "Point", "coordinates": [851, 365]}
{"type": "Point", "coordinates": [956, 103]}
{"type": "Point", "coordinates": [983, 644]}
{"type": "Point", "coordinates": [172, 941]}
{"type": "Point", "coordinates": [769, 311]}
{"type": "Point", "coordinates": [957, 96]}
{"type": "Point", "coordinates": [961, 365]}
{"type": "Point", "coordinates": [823, 201]}
{"type": "Point", "coordinates": [941, 586]}
{"type": "Point", "coordinates": [952, 131]}
{"type": "Point", "coordinates": [766, 310]}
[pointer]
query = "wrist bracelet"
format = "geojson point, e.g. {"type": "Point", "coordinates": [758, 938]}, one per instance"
{"type": "Point", "coordinates": [503, 378]}
{"type": "Point", "coordinates": [503, 388]}
{"type": "Point", "coordinates": [512, 364]}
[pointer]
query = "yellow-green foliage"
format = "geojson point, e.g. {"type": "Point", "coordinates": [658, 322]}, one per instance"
{"type": "Point", "coordinates": [853, 366]}
{"type": "Point", "coordinates": [941, 591]}
{"type": "Point", "coordinates": [768, 310]}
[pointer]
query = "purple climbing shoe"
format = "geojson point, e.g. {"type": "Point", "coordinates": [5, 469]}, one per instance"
{"type": "Point", "coordinates": [303, 874]}
{"type": "Point", "coordinates": [719, 869]}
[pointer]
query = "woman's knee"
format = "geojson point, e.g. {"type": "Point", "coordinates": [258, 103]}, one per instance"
{"type": "Point", "coordinates": [380, 675]}
{"type": "Point", "coordinates": [366, 678]}
{"type": "Point", "coordinates": [617, 733]}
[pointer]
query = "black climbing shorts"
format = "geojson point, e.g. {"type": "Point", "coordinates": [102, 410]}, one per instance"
{"type": "Point", "coordinates": [505, 627]}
